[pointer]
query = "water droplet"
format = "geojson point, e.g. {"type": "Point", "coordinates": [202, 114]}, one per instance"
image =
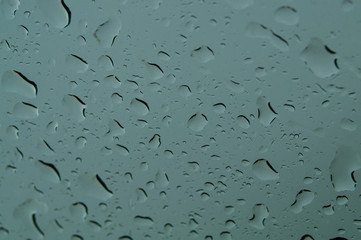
{"type": "Point", "coordinates": [56, 12]}
{"type": "Point", "coordinates": [155, 72]}
{"type": "Point", "coordinates": [16, 82]}
{"type": "Point", "coordinates": [79, 211]}
{"type": "Point", "coordinates": [184, 91]}
{"type": "Point", "coordinates": [106, 32]}
{"type": "Point", "coordinates": [9, 7]}
{"type": "Point", "coordinates": [256, 30]}
{"type": "Point", "coordinates": [139, 106]}
{"type": "Point", "coordinates": [203, 54]}
{"type": "Point", "coordinates": [240, 4]}
{"type": "Point", "coordinates": [266, 114]}
{"type": "Point", "coordinates": [12, 132]}
{"type": "Point", "coordinates": [142, 195]}
{"type": "Point", "coordinates": [341, 200]}
{"type": "Point", "coordinates": [76, 63]}
{"type": "Point", "coordinates": [197, 122]}
{"type": "Point", "coordinates": [161, 178]}
{"type": "Point", "coordinates": [348, 124]}
{"type": "Point", "coordinates": [80, 142]}
{"type": "Point", "coordinates": [303, 198]}
{"type": "Point", "coordinates": [328, 210]}
{"type": "Point", "coordinates": [143, 221]}
{"type": "Point", "coordinates": [264, 170]}
{"type": "Point", "coordinates": [346, 161]}
{"type": "Point", "coordinates": [155, 142]}
{"type": "Point", "coordinates": [243, 122]}
{"type": "Point", "coordinates": [75, 107]}
{"type": "Point", "coordinates": [26, 110]}
{"type": "Point", "coordinates": [163, 56]}
{"type": "Point", "coordinates": [122, 150]}
{"type": "Point", "coordinates": [105, 63]}
{"type": "Point", "coordinates": [320, 59]}
{"type": "Point", "coordinates": [347, 5]}
{"type": "Point", "coordinates": [115, 129]}
{"type": "Point", "coordinates": [286, 15]}
{"type": "Point", "coordinates": [260, 213]}
{"type": "Point", "coordinates": [219, 108]}
{"type": "Point", "coordinates": [92, 185]}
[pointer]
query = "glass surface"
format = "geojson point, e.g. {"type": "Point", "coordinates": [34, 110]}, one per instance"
{"type": "Point", "coordinates": [183, 119]}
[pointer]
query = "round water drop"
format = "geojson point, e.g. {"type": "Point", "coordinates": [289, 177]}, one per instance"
{"type": "Point", "coordinates": [171, 78]}
{"type": "Point", "coordinates": [75, 107]}
{"type": "Point", "coordinates": [52, 127]}
{"type": "Point", "coordinates": [122, 150]}
{"type": "Point", "coordinates": [168, 154]}
{"type": "Point", "coordinates": [348, 124]}
{"type": "Point", "coordinates": [240, 4]}
{"type": "Point", "coordinates": [260, 72]}
{"type": "Point", "coordinates": [79, 211]}
{"type": "Point", "coordinates": [155, 141]}
{"type": "Point", "coordinates": [307, 237]}
{"type": "Point", "coordinates": [16, 82]}
{"type": "Point", "coordinates": [219, 108]}
{"type": "Point", "coordinates": [203, 54]}
{"type": "Point", "coordinates": [106, 151]}
{"type": "Point", "coordinates": [105, 62]}
{"type": "Point", "coordinates": [230, 224]}
{"type": "Point", "coordinates": [260, 213]}
{"type": "Point", "coordinates": [163, 56]}
{"type": "Point", "coordinates": [346, 161]}
{"type": "Point", "coordinates": [26, 110]}
{"type": "Point", "coordinates": [95, 226]}
{"type": "Point", "coordinates": [139, 106]}
{"type": "Point", "coordinates": [286, 15]}
{"type": "Point", "coordinates": [347, 5]}
{"type": "Point", "coordinates": [56, 12]}
{"type": "Point", "coordinates": [112, 81]}
{"type": "Point", "coordinates": [80, 142]}
{"type": "Point", "coordinates": [141, 195]}
{"type": "Point", "coordinates": [108, 31]}
{"type": "Point", "coordinates": [264, 170]}
{"type": "Point", "coordinates": [143, 221]}
{"type": "Point", "coordinates": [328, 210]}
{"type": "Point", "coordinates": [117, 98]}
{"type": "Point", "coordinates": [320, 59]}
{"type": "Point", "coordinates": [13, 132]}
{"type": "Point", "coordinates": [8, 8]}
{"type": "Point", "coordinates": [154, 71]}
{"type": "Point", "coordinates": [303, 198]}
{"type": "Point", "coordinates": [197, 122]}
{"type": "Point", "coordinates": [81, 40]}
{"type": "Point", "coordinates": [235, 86]}
{"type": "Point", "coordinates": [154, 86]}
{"type": "Point", "coordinates": [341, 200]}
{"type": "Point", "coordinates": [184, 91]}
{"type": "Point", "coordinates": [161, 178]}
{"type": "Point", "coordinates": [243, 121]}
{"type": "Point", "coordinates": [76, 63]}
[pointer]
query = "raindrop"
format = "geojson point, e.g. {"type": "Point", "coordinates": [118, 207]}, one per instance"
{"type": "Point", "coordinates": [26, 110]}
{"type": "Point", "coordinates": [108, 31]}
{"type": "Point", "coordinates": [303, 198]}
{"type": "Point", "coordinates": [264, 170]}
{"type": "Point", "coordinates": [76, 63]}
{"type": "Point", "coordinates": [260, 213]}
{"type": "Point", "coordinates": [320, 59]}
{"type": "Point", "coordinates": [203, 54]}
{"type": "Point", "coordinates": [16, 82]}
{"type": "Point", "coordinates": [139, 106]}
{"type": "Point", "coordinates": [286, 15]}
{"type": "Point", "coordinates": [197, 122]}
